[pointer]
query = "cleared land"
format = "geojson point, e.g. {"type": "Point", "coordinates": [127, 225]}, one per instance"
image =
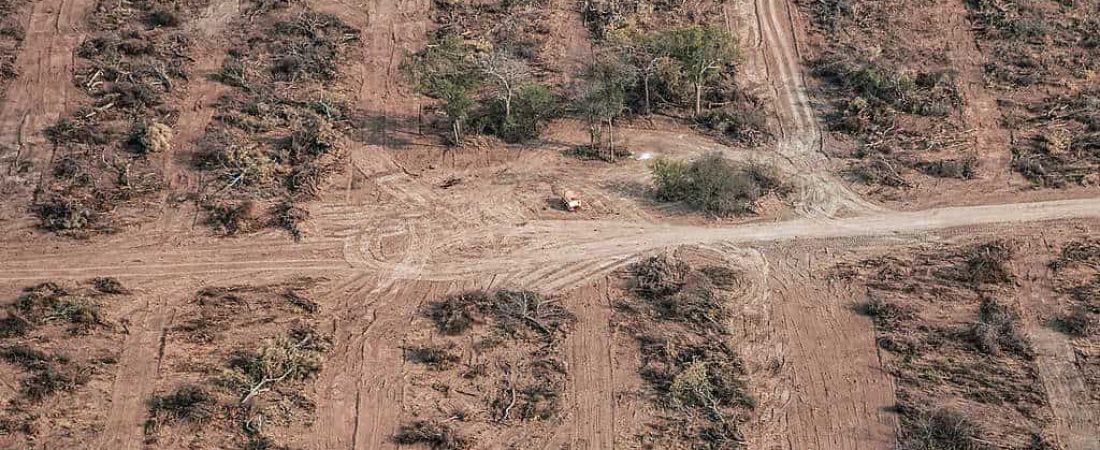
{"type": "Point", "coordinates": [338, 225]}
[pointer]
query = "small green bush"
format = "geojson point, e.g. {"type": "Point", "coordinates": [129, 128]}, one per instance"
{"type": "Point", "coordinates": [532, 107]}
{"type": "Point", "coordinates": [711, 184]}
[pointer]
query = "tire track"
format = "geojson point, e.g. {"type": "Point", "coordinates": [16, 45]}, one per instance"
{"type": "Point", "coordinates": [1076, 414]}
{"type": "Point", "coordinates": [821, 194]}
{"type": "Point", "coordinates": [41, 93]}
{"type": "Point", "coordinates": [841, 392]}
{"type": "Point", "coordinates": [592, 382]}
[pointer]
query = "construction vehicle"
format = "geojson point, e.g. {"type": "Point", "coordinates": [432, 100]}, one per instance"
{"type": "Point", "coordinates": [569, 199]}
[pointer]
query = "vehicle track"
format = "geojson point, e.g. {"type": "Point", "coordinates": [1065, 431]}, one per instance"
{"type": "Point", "coordinates": [540, 244]}
{"type": "Point", "coordinates": [41, 93]}
{"type": "Point", "coordinates": [841, 392]}
{"type": "Point", "coordinates": [819, 193]}
{"type": "Point", "coordinates": [592, 381]}
{"type": "Point", "coordinates": [1076, 413]}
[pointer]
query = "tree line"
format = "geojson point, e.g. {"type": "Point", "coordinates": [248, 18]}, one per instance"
{"type": "Point", "coordinates": [495, 92]}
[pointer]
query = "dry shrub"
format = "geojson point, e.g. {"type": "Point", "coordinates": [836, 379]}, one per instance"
{"type": "Point", "coordinates": [49, 373]}
{"type": "Point", "coordinates": [48, 302]}
{"type": "Point", "coordinates": [155, 137]}
{"type": "Point", "coordinates": [435, 357]}
{"type": "Point", "coordinates": [1087, 252]}
{"type": "Point", "coordinates": [515, 312]}
{"type": "Point", "coordinates": [659, 276]}
{"type": "Point", "coordinates": [294, 357]}
{"type": "Point", "coordinates": [942, 429]}
{"type": "Point", "coordinates": [988, 263]}
{"type": "Point", "coordinates": [708, 375]}
{"type": "Point", "coordinates": [68, 214]}
{"type": "Point", "coordinates": [541, 401]}
{"type": "Point", "coordinates": [676, 292]}
{"type": "Point", "coordinates": [188, 403]}
{"type": "Point", "coordinates": [234, 218]}
{"type": "Point", "coordinates": [13, 326]}
{"type": "Point", "coordinates": [61, 375]}
{"type": "Point", "coordinates": [1078, 321]}
{"type": "Point", "coordinates": [436, 435]}
{"type": "Point", "coordinates": [298, 300]}
{"type": "Point", "coordinates": [950, 168]}
{"type": "Point", "coordinates": [518, 311]}
{"type": "Point", "coordinates": [745, 121]}
{"type": "Point", "coordinates": [456, 313]}
{"type": "Point", "coordinates": [998, 328]}
{"type": "Point", "coordinates": [885, 313]}
{"type": "Point", "coordinates": [290, 217]}
{"type": "Point", "coordinates": [109, 285]}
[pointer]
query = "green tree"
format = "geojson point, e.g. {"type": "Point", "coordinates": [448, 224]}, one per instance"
{"type": "Point", "coordinates": [603, 99]}
{"type": "Point", "coordinates": [702, 53]}
{"type": "Point", "coordinates": [644, 54]}
{"type": "Point", "coordinates": [446, 70]}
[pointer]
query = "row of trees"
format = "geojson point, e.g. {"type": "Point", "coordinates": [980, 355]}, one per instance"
{"type": "Point", "coordinates": [623, 78]}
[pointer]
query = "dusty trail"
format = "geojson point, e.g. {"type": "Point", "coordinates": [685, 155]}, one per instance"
{"type": "Point", "coordinates": [42, 91]}
{"type": "Point", "coordinates": [546, 246]}
{"type": "Point", "coordinates": [820, 193]}
{"type": "Point", "coordinates": [840, 392]}
{"type": "Point", "coordinates": [547, 243]}
{"type": "Point", "coordinates": [138, 370]}
{"type": "Point", "coordinates": [592, 384]}
{"type": "Point", "coordinates": [980, 110]}
{"type": "Point", "coordinates": [1076, 413]}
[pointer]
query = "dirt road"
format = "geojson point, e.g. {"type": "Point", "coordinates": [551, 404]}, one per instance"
{"type": "Point", "coordinates": [540, 246]}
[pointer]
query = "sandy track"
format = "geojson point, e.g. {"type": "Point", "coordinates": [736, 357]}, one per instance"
{"type": "Point", "coordinates": [980, 110]}
{"type": "Point", "coordinates": [138, 371]}
{"type": "Point", "coordinates": [570, 242]}
{"type": "Point", "coordinates": [819, 192]}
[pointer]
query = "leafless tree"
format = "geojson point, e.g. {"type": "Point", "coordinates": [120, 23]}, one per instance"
{"type": "Point", "coordinates": [507, 72]}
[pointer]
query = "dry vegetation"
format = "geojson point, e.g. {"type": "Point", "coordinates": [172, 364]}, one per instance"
{"type": "Point", "coordinates": [12, 34]}
{"type": "Point", "coordinates": [240, 362]}
{"type": "Point", "coordinates": [133, 67]}
{"type": "Point", "coordinates": [1043, 58]}
{"type": "Point", "coordinates": [893, 101]}
{"type": "Point", "coordinates": [678, 315]}
{"type": "Point", "coordinates": [280, 132]}
{"type": "Point", "coordinates": [38, 333]}
{"type": "Point", "coordinates": [1077, 283]}
{"type": "Point", "coordinates": [493, 362]}
{"type": "Point", "coordinates": [965, 372]}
